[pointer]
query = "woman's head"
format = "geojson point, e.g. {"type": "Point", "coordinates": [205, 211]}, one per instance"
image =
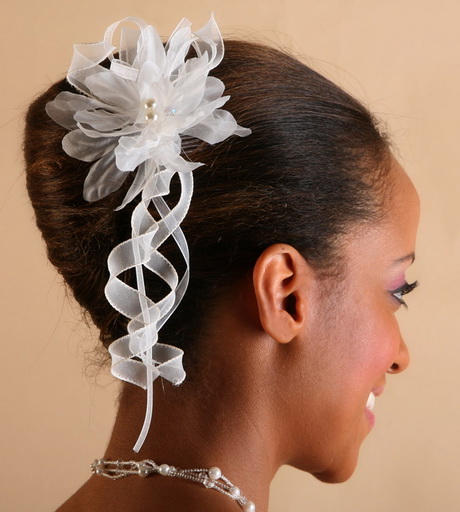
{"type": "Point", "coordinates": [314, 168]}
{"type": "Point", "coordinates": [343, 335]}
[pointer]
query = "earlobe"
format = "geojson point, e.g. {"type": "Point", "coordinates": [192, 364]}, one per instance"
{"type": "Point", "coordinates": [280, 280]}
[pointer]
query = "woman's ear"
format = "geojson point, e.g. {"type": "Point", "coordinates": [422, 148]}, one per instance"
{"type": "Point", "coordinates": [281, 276]}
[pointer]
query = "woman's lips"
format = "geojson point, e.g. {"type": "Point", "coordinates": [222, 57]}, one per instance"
{"type": "Point", "coordinates": [378, 391]}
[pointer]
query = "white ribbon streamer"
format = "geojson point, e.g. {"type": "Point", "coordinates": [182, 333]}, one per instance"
{"type": "Point", "coordinates": [130, 118]}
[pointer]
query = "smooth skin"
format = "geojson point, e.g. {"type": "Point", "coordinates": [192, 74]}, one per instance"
{"type": "Point", "coordinates": [289, 360]}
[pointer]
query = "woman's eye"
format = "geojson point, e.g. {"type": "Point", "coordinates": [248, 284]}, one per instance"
{"type": "Point", "coordinates": [403, 290]}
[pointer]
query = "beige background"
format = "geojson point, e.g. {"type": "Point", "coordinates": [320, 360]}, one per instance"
{"type": "Point", "coordinates": [403, 58]}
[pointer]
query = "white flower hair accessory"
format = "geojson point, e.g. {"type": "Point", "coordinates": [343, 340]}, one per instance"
{"type": "Point", "coordinates": [131, 118]}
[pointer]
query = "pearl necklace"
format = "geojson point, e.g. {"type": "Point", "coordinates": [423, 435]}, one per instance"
{"type": "Point", "coordinates": [211, 478]}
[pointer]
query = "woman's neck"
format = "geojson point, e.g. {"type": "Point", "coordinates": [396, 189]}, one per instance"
{"type": "Point", "coordinates": [222, 426]}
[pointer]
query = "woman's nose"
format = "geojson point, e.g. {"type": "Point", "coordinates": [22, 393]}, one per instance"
{"type": "Point", "coordinates": [402, 359]}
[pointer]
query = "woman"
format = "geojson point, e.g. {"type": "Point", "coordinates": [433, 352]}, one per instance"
{"type": "Point", "coordinates": [301, 228]}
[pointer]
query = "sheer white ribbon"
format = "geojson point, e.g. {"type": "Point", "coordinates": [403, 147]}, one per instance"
{"type": "Point", "coordinates": [129, 118]}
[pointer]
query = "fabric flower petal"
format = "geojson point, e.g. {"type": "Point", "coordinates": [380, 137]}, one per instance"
{"type": "Point", "coordinates": [103, 179]}
{"type": "Point", "coordinates": [210, 32]}
{"type": "Point", "coordinates": [130, 153]}
{"type": "Point", "coordinates": [101, 123]}
{"type": "Point", "coordinates": [78, 145]}
{"type": "Point", "coordinates": [150, 49]}
{"type": "Point", "coordinates": [217, 127]}
{"type": "Point", "coordinates": [112, 90]}
{"type": "Point", "coordinates": [63, 108]}
{"type": "Point", "coordinates": [178, 46]}
{"type": "Point", "coordinates": [136, 187]}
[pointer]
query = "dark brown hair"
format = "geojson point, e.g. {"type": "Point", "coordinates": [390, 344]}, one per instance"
{"type": "Point", "coordinates": [315, 165]}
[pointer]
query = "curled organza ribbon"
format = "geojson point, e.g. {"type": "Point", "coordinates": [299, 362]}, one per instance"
{"type": "Point", "coordinates": [131, 118]}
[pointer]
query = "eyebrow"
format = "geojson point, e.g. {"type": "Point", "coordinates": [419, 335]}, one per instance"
{"type": "Point", "coordinates": [409, 257]}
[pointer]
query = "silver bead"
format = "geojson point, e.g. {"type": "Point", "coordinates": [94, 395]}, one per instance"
{"type": "Point", "coordinates": [214, 473]}
{"type": "Point", "coordinates": [98, 466]}
{"type": "Point", "coordinates": [164, 470]}
{"type": "Point", "coordinates": [234, 491]}
{"type": "Point", "coordinates": [208, 483]}
{"type": "Point", "coordinates": [249, 507]}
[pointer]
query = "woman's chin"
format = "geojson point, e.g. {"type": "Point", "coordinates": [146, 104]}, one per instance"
{"type": "Point", "coordinates": [339, 472]}
{"type": "Point", "coordinates": [333, 477]}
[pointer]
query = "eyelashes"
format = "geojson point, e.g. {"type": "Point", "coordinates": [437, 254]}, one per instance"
{"type": "Point", "coordinates": [403, 290]}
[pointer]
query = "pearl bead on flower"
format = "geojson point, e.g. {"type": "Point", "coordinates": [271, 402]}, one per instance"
{"type": "Point", "coordinates": [150, 114]}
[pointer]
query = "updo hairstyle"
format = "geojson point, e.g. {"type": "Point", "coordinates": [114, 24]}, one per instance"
{"type": "Point", "coordinates": [315, 165]}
